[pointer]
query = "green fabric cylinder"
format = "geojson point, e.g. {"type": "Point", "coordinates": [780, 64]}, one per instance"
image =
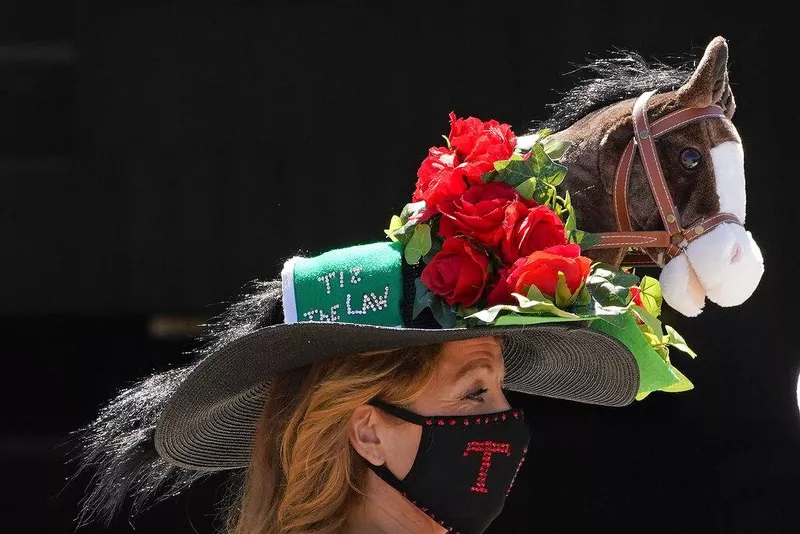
{"type": "Point", "coordinates": [361, 284]}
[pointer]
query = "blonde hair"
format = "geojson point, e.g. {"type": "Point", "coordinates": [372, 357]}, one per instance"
{"type": "Point", "coordinates": [304, 476]}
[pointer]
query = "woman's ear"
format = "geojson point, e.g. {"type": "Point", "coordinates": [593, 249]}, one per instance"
{"type": "Point", "coordinates": [364, 434]}
{"type": "Point", "coordinates": [709, 83]}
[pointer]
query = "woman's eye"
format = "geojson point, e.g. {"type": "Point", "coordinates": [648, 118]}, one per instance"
{"type": "Point", "coordinates": [477, 395]}
{"type": "Point", "coordinates": [690, 158]}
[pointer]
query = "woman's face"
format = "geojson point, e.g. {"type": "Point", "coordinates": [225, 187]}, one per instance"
{"type": "Point", "coordinates": [468, 381]}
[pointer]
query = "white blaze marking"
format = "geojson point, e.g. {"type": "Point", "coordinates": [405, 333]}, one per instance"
{"type": "Point", "coordinates": [728, 161]}
{"type": "Point", "coordinates": [725, 263]}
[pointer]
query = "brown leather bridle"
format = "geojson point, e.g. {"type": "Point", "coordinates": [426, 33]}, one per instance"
{"type": "Point", "coordinates": [674, 239]}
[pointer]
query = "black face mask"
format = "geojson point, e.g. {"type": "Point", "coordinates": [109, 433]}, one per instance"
{"type": "Point", "coordinates": [464, 468]}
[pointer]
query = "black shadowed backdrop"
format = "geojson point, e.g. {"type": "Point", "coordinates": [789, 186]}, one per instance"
{"type": "Point", "coordinates": [155, 158]}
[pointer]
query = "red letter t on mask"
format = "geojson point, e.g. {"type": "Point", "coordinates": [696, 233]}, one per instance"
{"type": "Point", "coordinates": [487, 448]}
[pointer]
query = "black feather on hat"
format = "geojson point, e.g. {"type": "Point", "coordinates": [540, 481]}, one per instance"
{"type": "Point", "coordinates": [118, 446]}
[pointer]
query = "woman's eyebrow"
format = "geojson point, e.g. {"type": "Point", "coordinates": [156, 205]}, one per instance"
{"type": "Point", "coordinates": [474, 365]}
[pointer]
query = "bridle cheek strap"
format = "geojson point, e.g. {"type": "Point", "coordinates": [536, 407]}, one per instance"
{"type": "Point", "coordinates": [674, 238]}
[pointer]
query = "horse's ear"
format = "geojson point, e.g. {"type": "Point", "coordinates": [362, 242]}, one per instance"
{"type": "Point", "coordinates": [709, 83]}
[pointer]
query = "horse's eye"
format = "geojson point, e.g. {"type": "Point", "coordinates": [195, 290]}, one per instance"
{"type": "Point", "coordinates": [690, 158]}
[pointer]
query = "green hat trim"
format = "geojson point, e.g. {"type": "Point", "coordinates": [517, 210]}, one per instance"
{"type": "Point", "coordinates": [654, 372]}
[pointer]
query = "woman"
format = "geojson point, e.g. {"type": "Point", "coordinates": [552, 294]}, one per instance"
{"type": "Point", "coordinates": [321, 446]}
{"type": "Point", "coordinates": [347, 427]}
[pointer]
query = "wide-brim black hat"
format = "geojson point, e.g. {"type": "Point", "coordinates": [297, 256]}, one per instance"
{"type": "Point", "coordinates": [209, 421]}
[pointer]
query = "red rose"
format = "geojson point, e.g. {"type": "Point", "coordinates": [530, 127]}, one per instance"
{"type": "Point", "coordinates": [438, 179]}
{"type": "Point", "coordinates": [539, 229]}
{"type": "Point", "coordinates": [464, 133]}
{"type": "Point", "coordinates": [637, 296]}
{"type": "Point", "coordinates": [500, 293]}
{"type": "Point", "coordinates": [458, 272]}
{"type": "Point", "coordinates": [483, 212]}
{"type": "Point", "coordinates": [541, 270]}
{"type": "Point", "coordinates": [479, 144]}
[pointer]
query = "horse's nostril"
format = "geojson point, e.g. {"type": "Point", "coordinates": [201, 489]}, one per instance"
{"type": "Point", "coordinates": [736, 253]}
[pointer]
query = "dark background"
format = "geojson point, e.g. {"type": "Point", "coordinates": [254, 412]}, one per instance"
{"type": "Point", "coordinates": [153, 159]}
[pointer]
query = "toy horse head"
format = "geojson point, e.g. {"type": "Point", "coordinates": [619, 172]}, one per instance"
{"type": "Point", "coordinates": [663, 172]}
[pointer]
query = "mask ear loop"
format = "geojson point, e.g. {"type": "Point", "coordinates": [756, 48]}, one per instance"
{"type": "Point", "coordinates": [410, 417]}
{"type": "Point", "coordinates": [383, 472]}
{"type": "Point", "coordinates": [400, 413]}
{"type": "Point", "coordinates": [407, 416]}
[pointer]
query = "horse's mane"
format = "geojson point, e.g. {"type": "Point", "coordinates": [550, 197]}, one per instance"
{"type": "Point", "coordinates": [609, 80]}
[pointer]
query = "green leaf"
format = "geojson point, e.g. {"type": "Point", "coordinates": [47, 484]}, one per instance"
{"type": "Point", "coordinates": [514, 320]}
{"type": "Point", "coordinates": [464, 312]}
{"type": "Point", "coordinates": [500, 165]}
{"type": "Point", "coordinates": [643, 395]}
{"type": "Point", "coordinates": [538, 306]}
{"type": "Point", "coordinates": [545, 306]}
{"type": "Point", "coordinates": [586, 240]}
{"type": "Point", "coordinates": [625, 279]}
{"type": "Point", "coordinates": [489, 315]}
{"type": "Point", "coordinates": [609, 286]}
{"type": "Point", "coordinates": [535, 295]}
{"type": "Point", "coordinates": [571, 225]}
{"type": "Point", "coordinates": [539, 157]}
{"type": "Point", "coordinates": [527, 189]}
{"type": "Point", "coordinates": [436, 246]}
{"type": "Point", "coordinates": [656, 342]}
{"type": "Point", "coordinates": [583, 298]}
{"type": "Point", "coordinates": [677, 341]}
{"type": "Point", "coordinates": [650, 293]}
{"type": "Point", "coordinates": [545, 194]}
{"type": "Point", "coordinates": [411, 210]}
{"type": "Point", "coordinates": [395, 224]}
{"type": "Point", "coordinates": [408, 221]}
{"type": "Point", "coordinates": [683, 384]}
{"type": "Point", "coordinates": [419, 244]}
{"type": "Point", "coordinates": [614, 315]}
{"type": "Point", "coordinates": [404, 233]}
{"type": "Point", "coordinates": [423, 297]}
{"type": "Point", "coordinates": [443, 313]}
{"type": "Point", "coordinates": [513, 171]}
{"type": "Point", "coordinates": [568, 202]}
{"type": "Point", "coordinates": [653, 324]}
{"type": "Point", "coordinates": [545, 168]}
{"type": "Point", "coordinates": [558, 207]}
{"type": "Point", "coordinates": [542, 193]}
{"type": "Point", "coordinates": [564, 297]}
{"type": "Point", "coordinates": [556, 148]}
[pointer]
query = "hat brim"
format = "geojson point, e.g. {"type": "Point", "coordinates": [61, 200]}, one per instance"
{"type": "Point", "coordinates": [208, 424]}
